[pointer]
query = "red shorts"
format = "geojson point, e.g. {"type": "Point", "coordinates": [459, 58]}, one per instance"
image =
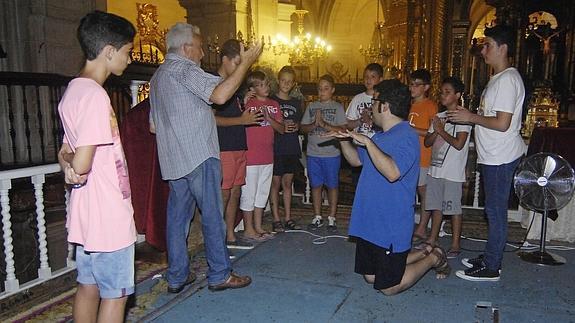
{"type": "Point", "coordinates": [233, 168]}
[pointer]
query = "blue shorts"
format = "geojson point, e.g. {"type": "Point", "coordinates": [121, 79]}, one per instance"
{"type": "Point", "coordinates": [323, 171]}
{"type": "Point", "coordinates": [112, 272]}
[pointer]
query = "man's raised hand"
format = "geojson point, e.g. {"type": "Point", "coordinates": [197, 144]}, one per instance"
{"type": "Point", "coordinates": [250, 55]}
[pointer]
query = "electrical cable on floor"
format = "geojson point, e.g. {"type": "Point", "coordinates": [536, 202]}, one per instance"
{"type": "Point", "coordinates": [318, 238]}
{"type": "Point", "coordinates": [518, 245]}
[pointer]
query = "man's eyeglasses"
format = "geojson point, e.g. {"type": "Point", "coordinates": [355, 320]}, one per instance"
{"type": "Point", "coordinates": [416, 84]}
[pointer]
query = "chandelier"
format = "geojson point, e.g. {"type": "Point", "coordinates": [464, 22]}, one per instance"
{"type": "Point", "coordinates": [378, 51]}
{"type": "Point", "coordinates": [303, 49]}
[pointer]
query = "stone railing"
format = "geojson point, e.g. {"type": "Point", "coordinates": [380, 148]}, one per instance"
{"type": "Point", "coordinates": [37, 175]}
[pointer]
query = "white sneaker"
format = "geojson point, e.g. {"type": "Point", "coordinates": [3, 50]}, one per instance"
{"type": "Point", "coordinates": [316, 223]}
{"type": "Point", "coordinates": [331, 226]}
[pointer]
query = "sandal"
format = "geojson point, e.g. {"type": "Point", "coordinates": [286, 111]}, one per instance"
{"type": "Point", "coordinates": [278, 227]}
{"type": "Point", "coordinates": [267, 235]}
{"type": "Point", "coordinates": [423, 245]}
{"type": "Point", "coordinates": [442, 268]}
{"type": "Point", "coordinates": [291, 225]}
{"type": "Point", "coordinates": [417, 239]}
{"type": "Point", "coordinates": [453, 253]}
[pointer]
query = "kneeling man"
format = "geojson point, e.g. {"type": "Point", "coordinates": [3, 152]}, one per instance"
{"type": "Point", "coordinates": [383, 208]}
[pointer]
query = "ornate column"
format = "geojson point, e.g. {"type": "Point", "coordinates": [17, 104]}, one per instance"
{"type": "Point", "coordinates": [410, 43]}
{"type": "Point", "coordinates": [458, 48]}
{"type": "Point", "coordinates": [437, 19]}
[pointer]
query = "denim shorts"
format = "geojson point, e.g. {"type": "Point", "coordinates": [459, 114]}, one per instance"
{"type": "Point", "coordinates": [112, 272]}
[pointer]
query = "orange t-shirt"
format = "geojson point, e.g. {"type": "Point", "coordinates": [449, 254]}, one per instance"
{"type": "Point", "coordinates": [420, 117]}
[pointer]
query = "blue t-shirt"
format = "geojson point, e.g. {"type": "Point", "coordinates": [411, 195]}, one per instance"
{"type": "Point", "coordinates": [383, 212]}
{"type": "Point", "coordinates": [288, 143]}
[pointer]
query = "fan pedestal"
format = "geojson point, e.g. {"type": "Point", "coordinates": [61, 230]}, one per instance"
{"type": "Point", "coordinates": [541, 258]}
{"type": "Point", "coordinates": [544, 182]}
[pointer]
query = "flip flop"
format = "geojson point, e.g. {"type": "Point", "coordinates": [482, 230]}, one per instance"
{"type": "Point", "coordinates": [255, 239]}
{"type": "Point", "coordinates": [267, 236]}
{"type": "Point", "coordinates": [453, 253]}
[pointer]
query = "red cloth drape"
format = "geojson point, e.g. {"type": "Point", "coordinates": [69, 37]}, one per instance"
{"type": "Point", "coordinates": [149, 191]}
{"type": "Point", "coordinates": [560, 141]}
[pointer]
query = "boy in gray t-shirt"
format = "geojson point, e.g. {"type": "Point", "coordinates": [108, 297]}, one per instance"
{"type": "Point", "coordinates": [323, 156]}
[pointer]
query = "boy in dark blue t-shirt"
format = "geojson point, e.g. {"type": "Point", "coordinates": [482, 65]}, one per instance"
{"type": "Point", "coordinates": [287, 150]}
{"type": "Point", "coordinates": [390, 163]}
{"type": "Point", "coordinates": [231, 121]}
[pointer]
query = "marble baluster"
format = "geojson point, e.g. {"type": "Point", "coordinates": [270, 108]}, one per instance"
{"type": "Point", "coordinates": [44, 272]}
{"type": "Point", "coordinates": [11, 284]}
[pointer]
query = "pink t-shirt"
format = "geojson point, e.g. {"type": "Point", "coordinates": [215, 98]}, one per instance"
{"type": "Point", "coordinates": [261, 138]}
{"type": "Point", "coordinates": [100, 214]}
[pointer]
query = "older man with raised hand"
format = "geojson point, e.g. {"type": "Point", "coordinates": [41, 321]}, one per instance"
{"type": "Point", "coordinates": [181, 94]}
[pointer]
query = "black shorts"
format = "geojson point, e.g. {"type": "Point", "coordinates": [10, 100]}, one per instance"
{"type": "Point", "coordinates": [285, 164]}
{"type": "Point", "coordinates": [388, 267]}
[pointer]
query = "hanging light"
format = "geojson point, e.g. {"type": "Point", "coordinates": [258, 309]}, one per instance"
{"type": "Point", "coordinates": [378, 51]}
{"type": "Point", "coordinates": [303, 49]}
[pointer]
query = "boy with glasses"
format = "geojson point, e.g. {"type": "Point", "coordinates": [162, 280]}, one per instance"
{"type": "Point", "coordinates": [420, 115]}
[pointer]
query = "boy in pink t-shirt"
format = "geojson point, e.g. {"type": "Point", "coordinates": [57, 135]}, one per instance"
{"type": "Point", "coordinates": [100, 216]}
{"type": "Point", "coordinates": [260, 157]}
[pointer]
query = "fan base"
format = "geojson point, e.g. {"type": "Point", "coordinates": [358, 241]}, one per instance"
{"type": "Point", "coordinates": [541, 258]}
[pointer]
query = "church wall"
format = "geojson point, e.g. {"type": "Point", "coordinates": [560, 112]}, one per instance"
{"type": "Point", "coordinates": [40, 35]}
{"type": "Point", "coordinates": [169, 11]}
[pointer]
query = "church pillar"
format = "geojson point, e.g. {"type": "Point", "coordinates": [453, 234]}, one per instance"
{"type": "Point", "coordinates": [215, 17]}
{"type": "Point", "coordinates": [569, 64]}
{"type": "Point", "coordinates": [437, 21]}
{"type": "Point", "coordinates": [458, 47]}
{"type": "Point", "coordinates": [13, 34]}
{"type": "Point", "coordinates": [410, 41]}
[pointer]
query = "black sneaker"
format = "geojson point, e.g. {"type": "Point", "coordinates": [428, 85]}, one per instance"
{"type": "Point", "coordinates": [478, 274]}
{"type": "Point", "coordinates": [474, 262]}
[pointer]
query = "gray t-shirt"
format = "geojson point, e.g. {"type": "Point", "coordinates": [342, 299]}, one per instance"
{"type": "Point", "coordinates": [334, 114]}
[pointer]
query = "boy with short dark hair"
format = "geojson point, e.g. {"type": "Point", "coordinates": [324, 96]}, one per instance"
{"type": "Point", "coordinates": [323, 155]}
{"type": "Point", "coordinates": [383, 229]}
{"type": "Point", "coordinates": [499, 146]}
{"type": "Point", "coordinates": [449, 144]}
{"type": "Point", "coordinates": [422, 111]}
{"type": "Point", "coordinates": [100, 216]}
{"type": "Point", "coordinates": [231, 120]}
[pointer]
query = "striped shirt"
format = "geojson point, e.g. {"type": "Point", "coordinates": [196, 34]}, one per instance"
{"type": "Point", "coordinates": [180, 109]}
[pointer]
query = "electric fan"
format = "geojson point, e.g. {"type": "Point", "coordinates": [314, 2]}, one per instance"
{"type": "Point", "coordinates": [544, 182]}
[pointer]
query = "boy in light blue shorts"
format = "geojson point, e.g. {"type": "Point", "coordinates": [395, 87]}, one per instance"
{"type": "Point", "coordinates": [100, 217]}
{"type": "Point", "coordinates": [323, 154]}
